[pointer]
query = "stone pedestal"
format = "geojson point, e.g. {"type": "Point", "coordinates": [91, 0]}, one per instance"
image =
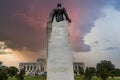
{"type": "Point", "coordinates": [60, 61]}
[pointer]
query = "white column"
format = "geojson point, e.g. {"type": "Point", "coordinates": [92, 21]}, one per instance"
{"type": "Point", "coordinates": [60, 61]}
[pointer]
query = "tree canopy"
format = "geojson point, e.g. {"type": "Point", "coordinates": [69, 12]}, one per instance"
{"type": "Point", "coordinates": [104, 69]}
{"type": "Point", "coordinates": [12, 71]}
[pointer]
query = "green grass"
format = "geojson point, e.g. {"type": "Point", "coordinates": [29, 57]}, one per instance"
{"type": "Point", "coordinates": [79, 77]}
{"type": "Point", "coordinates": [31, 78]}
{"type": "Point", "coordinates": [113, 78]}
{"type": "Point", "coordinates": [35, 78]}
{"type": "Point", "coordinates": [76, 78]}
{"type": "Point", "coordinates": [94, 78]}
{"type": "Point", "coordinates": [12, 79]}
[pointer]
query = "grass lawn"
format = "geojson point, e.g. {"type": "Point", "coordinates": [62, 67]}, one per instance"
{"type": "Point", "coordinates": [30, 78]}
{"type": "Point", "coordinates": [95, 78]}
{"type": "Point", "coordinates": [76, 78]}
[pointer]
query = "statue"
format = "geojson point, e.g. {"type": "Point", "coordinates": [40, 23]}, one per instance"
{"type": "Point", "coordinates": [59, 13]}
{"type": "Point", "coordinates": [59, 52]}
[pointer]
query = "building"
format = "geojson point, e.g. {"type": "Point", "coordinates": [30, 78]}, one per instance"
{"type": "Point", "coordinates": [77, 66]}
{"type": "Point", "coordinates": [32, 68]}
{"type": "Point", "coordinates": [40, 66]}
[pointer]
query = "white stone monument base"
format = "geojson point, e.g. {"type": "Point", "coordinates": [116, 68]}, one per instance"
{"type": "Point", "coordinates": [60, 61]}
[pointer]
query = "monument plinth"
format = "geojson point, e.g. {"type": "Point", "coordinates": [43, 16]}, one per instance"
{"type": "Point", "coordinates": [59, 61]}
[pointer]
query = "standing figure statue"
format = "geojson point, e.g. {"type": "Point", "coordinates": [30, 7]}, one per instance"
{"type": "Point", "coordinates": [59, 58]}
{"type": "Point", "coordinates": [58, 13]}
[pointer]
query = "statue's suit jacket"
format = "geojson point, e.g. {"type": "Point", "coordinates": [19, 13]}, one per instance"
{"type": "Point", "coordinates": [59, 14]}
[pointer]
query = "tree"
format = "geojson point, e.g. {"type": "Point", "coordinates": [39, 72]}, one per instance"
{"type": "Point", "coordinates": [75, 72]}
{"type": "Point", "coordinates": [116, 72]}
{"type": "Point", "coordinates": [4, 68]}
{"type": "Point", "coordinates": [12, 71]}
{"type": "Point", "coordinates": [81, 70]}
{"type": "Point", "coordinates": [3, 75]}
{"type": "Point", "coordinates": [20, 76]}
{"type": "Point", "coordinates": [104, 69]}
{"type": "Point", "coordinates": [89, 73]}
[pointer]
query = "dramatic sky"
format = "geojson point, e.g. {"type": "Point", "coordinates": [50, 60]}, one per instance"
{"type": "Point", "coordinates": [94, 31]}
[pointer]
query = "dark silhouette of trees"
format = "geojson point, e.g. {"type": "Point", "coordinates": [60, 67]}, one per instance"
{"type": "Point", "coordinates": [3, 75]}
{"type": "Point", "coordinates": [115, 73]}
{"type": "Point", "coordinates": [75, 72]}
{"type": "Point", "coordinates": [21, 74]}
{"type": "Point", "coordinates": [81, 71]}
{"type": "Point", "coordinates": [104, 69]}
{"type": "Point", "coordinates": [12, 71]}
{"type": "Point", "coordinates": [89, 73]}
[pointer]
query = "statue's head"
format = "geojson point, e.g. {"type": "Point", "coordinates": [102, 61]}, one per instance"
{"type": "Point", "coordinates": [59, 5]}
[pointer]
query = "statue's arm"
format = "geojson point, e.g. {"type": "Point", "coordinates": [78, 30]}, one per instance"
{"type": "Point", "coordinates": [66, 15]}
{"type": "Point", "coordinates": [52, 15]}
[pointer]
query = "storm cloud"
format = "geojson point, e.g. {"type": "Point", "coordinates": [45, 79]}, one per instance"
{"type": "Point", "coordinates": [23, 22]}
